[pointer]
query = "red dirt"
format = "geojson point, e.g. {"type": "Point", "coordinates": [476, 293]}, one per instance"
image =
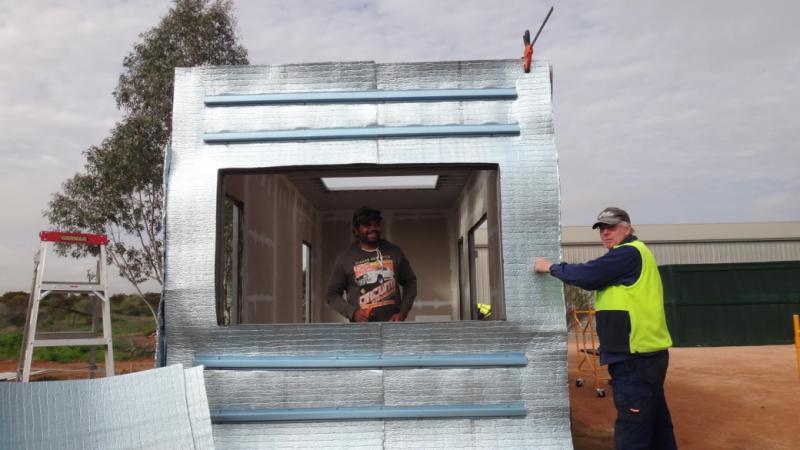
{"type": "Point", "coordinates": [76, 370]}
{"type": "Point", "coordinates": [722, 397]}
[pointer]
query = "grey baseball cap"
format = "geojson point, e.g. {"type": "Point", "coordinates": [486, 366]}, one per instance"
{"type": "Point", "coordinates": [611, 216]}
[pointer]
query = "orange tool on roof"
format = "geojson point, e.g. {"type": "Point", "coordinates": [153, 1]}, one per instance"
{"type": "Point", "coordinates": [527, 55]}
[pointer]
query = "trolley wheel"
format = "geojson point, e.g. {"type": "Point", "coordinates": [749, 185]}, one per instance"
{"type": "Point", "coordinates": [601, 393]}
{"type": "Point", "coordinates": [579, 382]}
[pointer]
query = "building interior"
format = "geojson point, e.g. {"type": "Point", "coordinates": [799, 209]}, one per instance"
{"type": "Point", "coordinates": [280, 230]}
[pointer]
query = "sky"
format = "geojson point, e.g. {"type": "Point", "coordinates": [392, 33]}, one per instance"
{"type": "Point", "coordinates": [677, 111]}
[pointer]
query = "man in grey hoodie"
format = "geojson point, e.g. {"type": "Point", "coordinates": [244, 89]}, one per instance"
{"type": "Point", "coordinates": [371, 272]}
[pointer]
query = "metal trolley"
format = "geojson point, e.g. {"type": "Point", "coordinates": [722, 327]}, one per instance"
{"type": "Point", "coordinates": [587, 344]}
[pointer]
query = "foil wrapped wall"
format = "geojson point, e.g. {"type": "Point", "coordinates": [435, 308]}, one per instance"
{"type": "Point", "coordinates": [529, 212]}
{"type": "Point", "coordinates": [162, 408]}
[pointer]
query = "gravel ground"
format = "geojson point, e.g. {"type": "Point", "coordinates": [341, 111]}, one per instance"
{"type": "Point", "coordinates": [719, 398]}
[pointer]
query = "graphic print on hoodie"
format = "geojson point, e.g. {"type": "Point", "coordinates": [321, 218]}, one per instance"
{"type": "Point", "coordinates": [376, 281]}
{"type": "Point", "coordinates": [373, 281]}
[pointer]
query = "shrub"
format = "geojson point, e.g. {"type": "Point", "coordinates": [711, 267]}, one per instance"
{"type": "Point", "coordinates": [10, 344]}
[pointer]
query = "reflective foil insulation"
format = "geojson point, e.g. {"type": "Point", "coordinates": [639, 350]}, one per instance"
{"type": "Point", "coordinates": [244, 177]}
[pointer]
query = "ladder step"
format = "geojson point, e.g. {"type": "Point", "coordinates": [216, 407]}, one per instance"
{"type": "Point", "coordinates": [40, 336]}
{"type": "Point", "coordinates": [68, 342]}
{"type": "Point", "coordinates": [66, 286]}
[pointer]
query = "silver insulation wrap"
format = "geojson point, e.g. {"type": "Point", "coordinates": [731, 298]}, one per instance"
{"type": "Point", "coordinates": [528, 209]}
{"type": "Point", "coordinates": [162, 408]}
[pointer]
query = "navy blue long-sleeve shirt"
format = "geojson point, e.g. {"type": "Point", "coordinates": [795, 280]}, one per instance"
{"type": "Point", "coordinates": [621, 265]}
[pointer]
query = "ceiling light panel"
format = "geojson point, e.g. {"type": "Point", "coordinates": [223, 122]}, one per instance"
{"type": "Point", "coordinates": [380, 183]}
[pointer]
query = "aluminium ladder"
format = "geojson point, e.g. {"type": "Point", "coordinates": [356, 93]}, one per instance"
{"type": "Point", "coordinates": [41, 289]}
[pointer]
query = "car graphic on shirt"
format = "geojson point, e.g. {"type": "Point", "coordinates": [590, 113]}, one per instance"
{"type": "Point", "coordinates": [375, 276]}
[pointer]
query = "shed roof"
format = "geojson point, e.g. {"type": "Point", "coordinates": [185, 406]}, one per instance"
{"type": "Point", "coordinates": [695, 232]}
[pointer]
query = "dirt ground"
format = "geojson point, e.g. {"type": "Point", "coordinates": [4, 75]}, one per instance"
{"type": "Point", "coordinates": [76, 370]}
{"type": "Point", "coordinates": [720, 398]}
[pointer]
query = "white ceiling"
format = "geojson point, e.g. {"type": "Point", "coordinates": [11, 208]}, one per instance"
{"type": "Point", "coordinates": [450, 184]}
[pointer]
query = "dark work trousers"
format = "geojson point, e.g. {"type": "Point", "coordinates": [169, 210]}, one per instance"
{"type": "Point", "coordinates": [643, 420]}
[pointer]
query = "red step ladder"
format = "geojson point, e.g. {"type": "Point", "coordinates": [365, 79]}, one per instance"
{"type": "Point", "coordinates": [41, 289]}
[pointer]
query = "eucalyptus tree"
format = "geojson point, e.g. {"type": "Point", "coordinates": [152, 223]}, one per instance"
{"type": "Point", "coordinates": [120, 191]}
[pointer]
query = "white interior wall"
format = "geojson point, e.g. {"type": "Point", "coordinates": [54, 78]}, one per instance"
{"type": "Point", "coordinates": [481, 197]}
{"type": "Point", "coordinates": [482, 268]}
{"type": "Point", "coordinates": [336, 236]}
{"type": "Point", "coordinates": [425, 238]}
{"type": "Point", "coordinates": [274, 208]}
{"type": "Point", "coordinates": [423, 235]}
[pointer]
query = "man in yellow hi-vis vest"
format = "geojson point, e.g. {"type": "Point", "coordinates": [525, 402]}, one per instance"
{"type": "Point", "coordinates": [632, 329]}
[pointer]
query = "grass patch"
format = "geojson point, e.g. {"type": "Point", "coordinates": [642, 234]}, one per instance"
{"type": "Point", "coordinates": [10, 344]}
{"type": "Point", "coordinates": [131, 323]}
{"type": "Point", "coordinates": [126, 347]}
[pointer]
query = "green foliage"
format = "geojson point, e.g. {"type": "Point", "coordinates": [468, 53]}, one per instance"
{"type": "Point", "coordinates": [13, 307]}
{"type": "Point", "coordinates": [130, 317]}
{"type": "Point", "coordinates": [120, 192]}
{"type": "Point", "coordinates": [577, 299]}
{"type": "Point", "coordinates": [62, 354]}
{"type": "Point", "coordinates": [131, 347]}
{"type": "Point", "coordinates": [193, 33]}
{"type": "Point", "coordinates": [128, 305]}
{"type": "Point", "coordinates": [10, 344]}
{"type": "Point", "coordinates": [15, 298]}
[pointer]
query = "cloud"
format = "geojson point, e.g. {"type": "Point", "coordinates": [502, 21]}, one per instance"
{"type": "Point", "coordinates": [681, 112]}
{"type": "Point", "coordinates": [61, 62]}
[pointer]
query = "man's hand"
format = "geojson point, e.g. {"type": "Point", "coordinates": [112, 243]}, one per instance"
{"type": "Point", "coordinates": [397, 317]}
{"type": "Point", "coordinates": [542, 265]}
{"type": "Point", "coordinates": [361, 315]}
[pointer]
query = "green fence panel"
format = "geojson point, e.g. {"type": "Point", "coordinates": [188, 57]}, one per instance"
{"type": "Point", "coordinates": [731, 304]}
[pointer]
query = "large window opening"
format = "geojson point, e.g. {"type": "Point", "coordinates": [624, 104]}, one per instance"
{"type": "Point", "coordinates": [281, 229]}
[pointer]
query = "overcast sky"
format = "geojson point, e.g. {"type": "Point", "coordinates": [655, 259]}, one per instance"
{"type": "Point", "coordinates": [678, 111]}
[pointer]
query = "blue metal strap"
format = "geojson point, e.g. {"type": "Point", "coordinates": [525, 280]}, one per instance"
{"type": "Point", "coordinates": [420, 95]}
{"type": "Point", "coordinates": [315, 134]}
{"type": "Point", "coordinates": [367, 412]}
{"type": "Point", "coordinates": [509, 359]}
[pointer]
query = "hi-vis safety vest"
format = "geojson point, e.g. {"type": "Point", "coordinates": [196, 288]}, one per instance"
{"type": "Point", "coordinates": [643, 301]}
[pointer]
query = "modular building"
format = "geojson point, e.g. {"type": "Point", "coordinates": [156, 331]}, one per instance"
{"type": "Point", "coordinates": [265, 169]}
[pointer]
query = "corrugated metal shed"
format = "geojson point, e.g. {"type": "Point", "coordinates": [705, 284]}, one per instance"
{"type": "Point", "coordinates": [697, 243]}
